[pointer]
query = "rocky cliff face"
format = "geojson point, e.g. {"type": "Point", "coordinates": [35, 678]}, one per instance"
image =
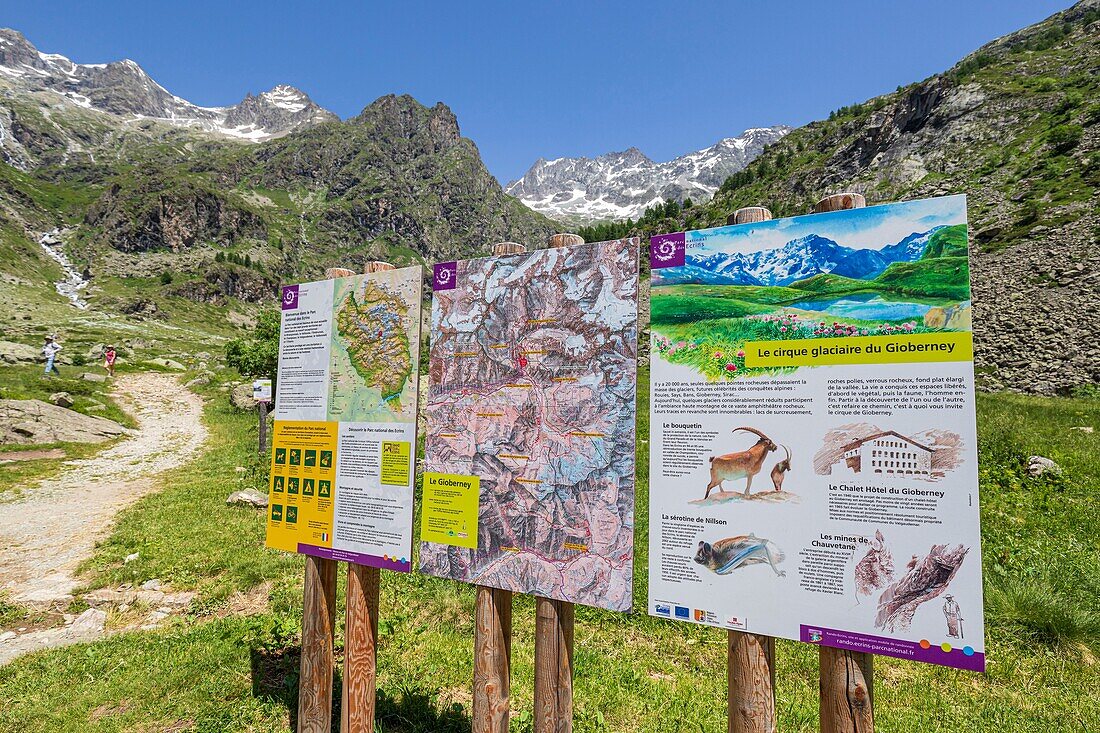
{"type": "Point", "coordinates": [622, 185]}
{"type": "Point", "coordinates": [1016, 127]}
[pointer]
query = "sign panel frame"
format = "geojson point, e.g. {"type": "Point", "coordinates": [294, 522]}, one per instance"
{"type": "Point", "coordinates": [813, 465]}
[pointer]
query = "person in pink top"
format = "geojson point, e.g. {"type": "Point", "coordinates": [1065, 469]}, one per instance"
{"type": "Point", "coordinates": [109, 361]}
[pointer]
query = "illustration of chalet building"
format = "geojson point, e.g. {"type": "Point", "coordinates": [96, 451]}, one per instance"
{"type": "Point", "coordinates": [888, 453]}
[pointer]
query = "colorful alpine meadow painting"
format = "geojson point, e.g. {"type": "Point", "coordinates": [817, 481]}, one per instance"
{"type": "Point", "coordinates": [814, 454]}
{"type": "Point", "coordinates": [529, 453]}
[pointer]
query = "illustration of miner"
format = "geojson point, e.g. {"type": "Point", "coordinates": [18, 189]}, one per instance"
{"type": "Point", "coordinates": [954, 617]}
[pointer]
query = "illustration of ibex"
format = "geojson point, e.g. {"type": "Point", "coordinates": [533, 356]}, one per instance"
{"type": "Point", "coordinates": [742, 464]}
{"type": "Point", "coordinates": [779, 471]}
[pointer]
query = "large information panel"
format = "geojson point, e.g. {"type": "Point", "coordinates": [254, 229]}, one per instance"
{"type": "Point", "coordinates": [529, 454]}
{"type": "Point", "coordinates": [814, 459]}
{"type": "Point", "coordinates": [345, 419]}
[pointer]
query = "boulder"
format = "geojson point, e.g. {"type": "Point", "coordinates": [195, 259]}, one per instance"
{"type": "Point", "coordinates": [1038, 465]}
{"type": "Point", "coordinates": [13, 353]}
{"type": "Point", "coordinates": [247, 497]}
{"type": "Point", "coordinates": [92, 620]}
{"type": "Point", "coordinates": [241, 397]}
{"type": "Point", "coordinates": [93, 377]}
{"type": "Point", "coordinates": [61, 399]}
{"type": "Point", "coordinates": [34, 421]}
{"type": "Point", "coordinates": [167, 364]}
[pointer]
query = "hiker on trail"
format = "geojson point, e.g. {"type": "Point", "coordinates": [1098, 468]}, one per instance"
{"type": "Point", "coordinates": [109, 361]}
{"type": "Point", "coordinates": [954, 617]}
{"type": "Point", "coordinates": [49, 350]}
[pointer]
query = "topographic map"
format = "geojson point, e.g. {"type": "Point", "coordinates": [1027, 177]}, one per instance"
{"type": "Point", "coordinates": [375, 346]}
{"type": "Point", "coordinates": [533, 377]}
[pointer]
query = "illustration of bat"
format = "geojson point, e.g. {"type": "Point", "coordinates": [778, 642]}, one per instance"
{"type": "Point", "coordinates": [726, 555]}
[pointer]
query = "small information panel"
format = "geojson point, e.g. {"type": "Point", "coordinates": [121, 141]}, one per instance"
{"type": "Point", "coordinates": [345, 419]}
{"type": "Point", "coordinates": [261, 390]}
{"type": "Point", "coordinates": [814, 464]}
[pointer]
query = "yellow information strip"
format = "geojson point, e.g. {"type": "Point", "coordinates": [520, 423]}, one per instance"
{"type": "Point", "coordinates": [300, 495]}
{"type": "Point", "coordinates": [395, 462]}
{"type": "Point", "coordinates": [449, 511]}
{"type": "Point", "coordinates": [894, 349]}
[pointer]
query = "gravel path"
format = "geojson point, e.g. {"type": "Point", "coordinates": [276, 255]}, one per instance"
{"type": "Point", "coordinates": [50, 529]}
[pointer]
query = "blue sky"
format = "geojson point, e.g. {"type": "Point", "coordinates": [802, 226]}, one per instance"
{"type": "Point", "coordinates": [530, 80]}
{"type": "Point", "coordinates": [873, 227]}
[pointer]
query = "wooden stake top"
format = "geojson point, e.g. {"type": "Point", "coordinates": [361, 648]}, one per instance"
{"type": "Point", "coordinates": [748, 215]}
{"type": "Point", "coordinates": [509, 248]}
{"type": "Point", "coordinates": [840, 202]}
{"type": "Point", "coordinates": [565, 240]}
{"type": "Point", "coordinates": [376, 266]}
{"type": "Point", "coordinates": [335, 272]}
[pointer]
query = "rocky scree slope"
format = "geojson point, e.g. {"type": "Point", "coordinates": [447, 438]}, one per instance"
{"type": "Point", "coordinates": [1016, 127]}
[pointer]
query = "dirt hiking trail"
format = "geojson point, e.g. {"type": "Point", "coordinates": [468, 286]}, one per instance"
{"type": "Point", "coordinates": [47, 531]}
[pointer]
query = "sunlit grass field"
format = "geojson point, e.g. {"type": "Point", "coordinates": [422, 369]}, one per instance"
{"type": "Point", "coordinates": [220, 670]}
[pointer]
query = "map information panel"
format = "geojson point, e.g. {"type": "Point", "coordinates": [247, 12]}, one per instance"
{"type": "Point", "coordinates": [345, 419]}
{"type": "Point", "coordinates": [529, 453]}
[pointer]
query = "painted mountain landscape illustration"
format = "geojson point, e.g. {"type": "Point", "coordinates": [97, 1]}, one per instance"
{"type": "Point", "coordinates": [865, 272]}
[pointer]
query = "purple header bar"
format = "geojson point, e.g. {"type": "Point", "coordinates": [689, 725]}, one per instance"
{"type": "Point", "coordinates": [944, 654]}
{"type": "Point", "coordinates": [386, 563]}
{"type": "Point", "coordinates": [667, 250]}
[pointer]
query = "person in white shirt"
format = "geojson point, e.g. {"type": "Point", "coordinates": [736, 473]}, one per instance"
{"type": "Point", "coordinates": [50, 352]}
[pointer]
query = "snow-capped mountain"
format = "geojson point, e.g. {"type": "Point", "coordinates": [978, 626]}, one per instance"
{"type": "Point", "coordinates": [622, 185]}
{"type": "Point", "coordinates": [798, 259]}
{"type": "Point", "coordinates": [123, 89]}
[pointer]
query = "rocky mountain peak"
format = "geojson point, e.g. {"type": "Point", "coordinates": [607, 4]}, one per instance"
{"type": "Point", "coordinates": [124, 89]}
{"type": "Point", "coordinates": [396, 117]}
{"type": "Point", "coordinates": [622, 185]}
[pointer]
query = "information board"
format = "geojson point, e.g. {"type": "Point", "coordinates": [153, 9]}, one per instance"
{"type": "Point", "coordinates": [345, 419]}
{"type": "Point", "coordinates": [814, 455]}
{"type": "Point", "coordinates": [529, 453]}
{"type": "Point", "coordinates": [261, 390]}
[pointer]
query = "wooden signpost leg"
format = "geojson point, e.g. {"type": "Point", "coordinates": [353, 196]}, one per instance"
{"type": "Point", "coordinates": [751, 657]}
{"type": "Point", "coordinates": [357, 701]}
{"type": "Point", "coordinates": [318, 621]}
{"type": "Point", "coordinates": [554, 635]}
{"type": "Point", "coordinates": [360, 650]}
{"type": "Point", "coordinates": [553, 666]}
{"type": "Point", "coordinates": [492, 660]}
{"type": "Point", "coordinates": [846, 677]}
{"type": "Point", "coordinates": [493, 632]}
{"type": "Point", "coordinates": [262, 406]}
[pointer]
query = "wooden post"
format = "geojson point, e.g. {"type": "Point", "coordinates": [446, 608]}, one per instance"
{"type": "Point", "coordinates": [750, 671]}
{"type": "Point", "coordinates": [318, 621]}
{"type": "Point", "coordinates": [318, 626]}
{"type": "Point", "coordinates": [846, 677]}
{"type": "Point", "coordinates": [357, 701]}
{"type": "Point", "coordinates": [493, 633]}
{"type": "Point", "coordinates": [749, 215]}
{"type": "Point", "coordinates": [553, 666]}
{"type": "Point", "coordinates": [262, 407]}
{"type": "Point", "coordinates": [554, 634]}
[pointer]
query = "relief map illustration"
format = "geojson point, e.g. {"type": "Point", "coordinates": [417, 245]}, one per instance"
{"type": "Point", "coordinates": [532, 389]}
{"type": "Point", "coordinates": [375, 347]}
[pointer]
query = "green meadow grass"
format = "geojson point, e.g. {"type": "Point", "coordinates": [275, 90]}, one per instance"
{"type": "Point", "coordinates": [211, 671]}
